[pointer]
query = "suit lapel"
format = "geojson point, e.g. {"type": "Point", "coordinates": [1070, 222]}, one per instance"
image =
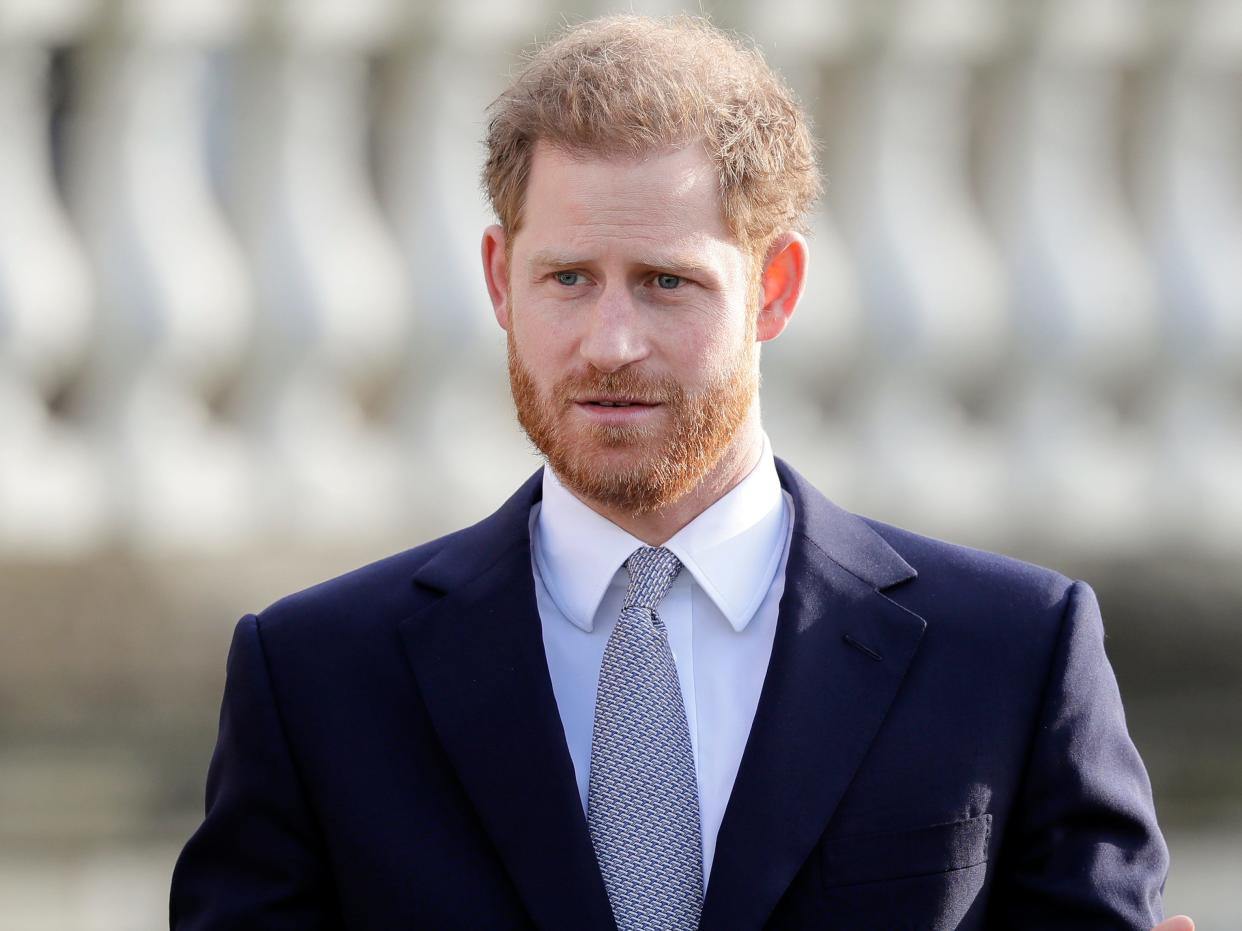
{"type": "Point", "coordinates": [478, 656]}
{"type": "Point", "coordinates": [841, 651]}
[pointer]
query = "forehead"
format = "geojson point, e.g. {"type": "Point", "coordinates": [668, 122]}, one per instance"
{"type": "Point", "coordinates": [668, 199]}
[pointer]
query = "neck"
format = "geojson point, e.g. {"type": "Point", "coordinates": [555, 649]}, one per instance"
{"type": "Point", "coordinates": [657, 527]}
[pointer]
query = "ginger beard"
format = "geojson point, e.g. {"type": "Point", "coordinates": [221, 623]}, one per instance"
{"type": "Point", "coordinates": [642, 468]}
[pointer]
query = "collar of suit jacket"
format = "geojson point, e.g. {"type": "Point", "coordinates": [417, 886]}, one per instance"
{"type": "Point", "coordinates": [851, 542]}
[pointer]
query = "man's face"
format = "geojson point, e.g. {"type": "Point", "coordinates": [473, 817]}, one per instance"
{"type": "Point", "coordinates": [631, 324]}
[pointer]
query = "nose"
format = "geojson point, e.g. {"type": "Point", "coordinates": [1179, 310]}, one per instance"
{"type": "Point", "coordinates": [615, 335]}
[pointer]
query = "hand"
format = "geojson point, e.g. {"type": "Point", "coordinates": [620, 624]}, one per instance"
{"type": "Point", "coordinates": [1176, 923]}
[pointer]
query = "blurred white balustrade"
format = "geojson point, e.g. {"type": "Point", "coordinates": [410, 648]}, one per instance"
{"type": "Point", "coordinates": [809, 41]}
{"type": "Point", "coordinates": [1087, 313]}
{"type": "Point", "coordinates": [52, 494]}
{"type": "Point", "coordinates": [1194, 142]}
{"type": "Point", "coordinates": [935, 289]}
{"type": "Point", "coordinates": [240, 294]}
{"type": "Point", "coordinates": [333, 315]}
{"type": "Point", "coordinates": [174, 297]}
{"type": "Point", "coordinates": [453, 409]}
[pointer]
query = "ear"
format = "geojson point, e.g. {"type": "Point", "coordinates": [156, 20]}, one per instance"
{"type": "Point", "coordinates": [496, 272]}
{"type": "Point", "coordinates": [781, 283]}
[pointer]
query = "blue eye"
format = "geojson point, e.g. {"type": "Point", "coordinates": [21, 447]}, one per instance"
{"type": "Point", "coordinates": [568, 279]}
{"type": "Point", "coordinates": [667, 282]}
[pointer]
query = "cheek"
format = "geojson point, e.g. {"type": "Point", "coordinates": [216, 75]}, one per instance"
{"type": "Point", "coordinates": [543, 326]}
{"type": "Point", "coordinates": [542, 349]}
{"type": "Point", "coordinates": [699, 357]}
{"type": "Point", "coordinates": [725, 336]}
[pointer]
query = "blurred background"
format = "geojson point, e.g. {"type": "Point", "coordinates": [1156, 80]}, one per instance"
{"type": "Point", "coordinates": [245, 345]}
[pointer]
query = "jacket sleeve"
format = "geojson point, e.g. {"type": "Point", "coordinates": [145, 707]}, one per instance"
{"type": "Point", "coordinates": [256, 861]}
{"type": "Point", "coordinates": [1082, 849]}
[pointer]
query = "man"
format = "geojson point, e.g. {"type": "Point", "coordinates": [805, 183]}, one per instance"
{"type": "Point", "coordinates": [668, 684]}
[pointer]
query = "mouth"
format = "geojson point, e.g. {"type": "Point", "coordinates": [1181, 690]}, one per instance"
{"type": "Point", "coordinates": [616, 402]}
{"type": "Point", "coordinates": [616, 410]}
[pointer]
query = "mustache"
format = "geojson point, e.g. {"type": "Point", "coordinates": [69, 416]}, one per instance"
{"type": "Point", "coordinates": [626, 383]}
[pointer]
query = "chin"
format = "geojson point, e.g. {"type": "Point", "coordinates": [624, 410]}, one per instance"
{"type": "Point", "coordinates": [634, 476]}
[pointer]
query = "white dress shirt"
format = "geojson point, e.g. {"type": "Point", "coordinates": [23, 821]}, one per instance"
{"type": "Point", "coordinates": [720, 614]}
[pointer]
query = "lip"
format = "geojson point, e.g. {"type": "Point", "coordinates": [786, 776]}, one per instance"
{"type": "Point", "coordinates": [607, 413]}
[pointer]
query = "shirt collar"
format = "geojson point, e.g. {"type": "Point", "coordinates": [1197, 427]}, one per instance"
{"type": "Point", "coordinates": [732, 550]}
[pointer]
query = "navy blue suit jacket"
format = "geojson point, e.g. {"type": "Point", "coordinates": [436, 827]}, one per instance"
{"type": "Point", "coordinates": [939, 744]}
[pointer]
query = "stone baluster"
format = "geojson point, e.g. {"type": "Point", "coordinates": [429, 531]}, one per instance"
{"type": "Point", "coordinates": [334, 315]}
{"type": "Point", "coordinates": [1088, 316]}
{"type": "Point", "coordinates": [175, 300]}
{"type": "Point", "coordinates": [1195, 181]}
{"type": "Point", "coordinates": [463, 444]}
{"type": "Point", "coordinates": [809, 368]}
{"type": "Point", "coordinates": [53, 498]}
{"type": "Point", "coordinates": [938, 316]}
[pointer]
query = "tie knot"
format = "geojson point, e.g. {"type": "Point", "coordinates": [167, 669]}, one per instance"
{"type": "Point", "coordinates": [652, 570]}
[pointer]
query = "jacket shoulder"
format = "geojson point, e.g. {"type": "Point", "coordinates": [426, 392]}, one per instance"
{"type": "Point", "coordinates": [982, 581]}
{"type": "Point", "coordinates": [366, 605]}
{"type": "Point", "coordinates": [380, 592]}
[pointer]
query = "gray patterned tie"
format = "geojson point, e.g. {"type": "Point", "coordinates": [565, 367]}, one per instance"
{"type": "Point", "coordinates": [643, 800]}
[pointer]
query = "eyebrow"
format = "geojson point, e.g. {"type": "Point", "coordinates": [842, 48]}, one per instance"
{"type": "Point", "coordinates": [568, 260]}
